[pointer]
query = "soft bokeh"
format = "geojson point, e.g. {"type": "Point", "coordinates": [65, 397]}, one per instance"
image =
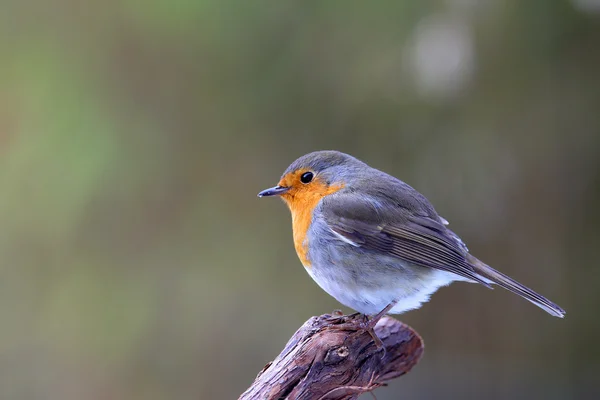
{"type": "Point", "coordinates": [136, 261]}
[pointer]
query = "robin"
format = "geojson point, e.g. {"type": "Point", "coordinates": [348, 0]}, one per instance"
{"type": "Point", "coordinates": [373, 242]}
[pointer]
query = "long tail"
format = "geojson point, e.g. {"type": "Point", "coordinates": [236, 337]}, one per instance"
{"type": "Point", "coordinates": [510, 284]}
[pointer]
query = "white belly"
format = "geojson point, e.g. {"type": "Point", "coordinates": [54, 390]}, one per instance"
{"type": "Point", "coordinates": [410, 293]}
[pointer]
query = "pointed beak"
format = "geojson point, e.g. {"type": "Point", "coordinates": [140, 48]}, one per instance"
{"type": "Point", "coordinates": [274, 191]}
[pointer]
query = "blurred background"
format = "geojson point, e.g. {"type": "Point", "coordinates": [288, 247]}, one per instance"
{"type": "Point", "coordinates": [137, 262]}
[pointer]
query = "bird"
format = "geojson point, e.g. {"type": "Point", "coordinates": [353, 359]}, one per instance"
{"type": "Point", "coordinates": [373, 242]}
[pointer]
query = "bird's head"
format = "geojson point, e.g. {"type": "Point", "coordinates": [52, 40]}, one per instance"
{"type": "Point", "coordinates": [314, 176]}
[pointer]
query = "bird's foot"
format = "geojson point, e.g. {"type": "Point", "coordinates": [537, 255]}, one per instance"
{"type": "Point", "coordinates": [359, 323]}
{"type": "Point", "coordinates": [362, 323]}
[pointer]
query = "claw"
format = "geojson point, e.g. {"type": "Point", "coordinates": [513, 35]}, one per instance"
{"type": "Point", "coordinates": [366, 325]}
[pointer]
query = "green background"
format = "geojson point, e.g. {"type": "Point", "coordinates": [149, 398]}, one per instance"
{"type": "Point", "coordinates": [136, 261]}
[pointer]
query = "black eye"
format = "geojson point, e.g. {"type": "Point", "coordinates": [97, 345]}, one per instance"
{"type": "Point", "coordinates": [306, 177]}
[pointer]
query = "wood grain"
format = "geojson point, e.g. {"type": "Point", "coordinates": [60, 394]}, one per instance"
{"type": "Point", "coordinates": [331, 358]}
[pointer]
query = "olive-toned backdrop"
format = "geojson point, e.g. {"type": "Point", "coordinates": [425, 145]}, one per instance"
{"type": "Point", "coordinates": [136, 261]}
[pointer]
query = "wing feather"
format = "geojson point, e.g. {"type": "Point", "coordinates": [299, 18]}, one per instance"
{"type": "Point", "coordinates": [401, 233]}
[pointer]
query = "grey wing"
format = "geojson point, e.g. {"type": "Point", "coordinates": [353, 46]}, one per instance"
{"type": "Point", "coordinates": [396, 231]}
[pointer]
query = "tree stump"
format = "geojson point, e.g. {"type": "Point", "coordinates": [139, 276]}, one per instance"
{"type": "Point", "coordinates": [322, 361]}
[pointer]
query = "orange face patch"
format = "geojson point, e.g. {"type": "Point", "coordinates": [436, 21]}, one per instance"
{"type": "Point", "coordinates": [302, 199]}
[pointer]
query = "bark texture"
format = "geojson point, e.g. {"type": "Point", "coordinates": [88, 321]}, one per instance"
{"type": "Point", "coordinates": [322, 361]}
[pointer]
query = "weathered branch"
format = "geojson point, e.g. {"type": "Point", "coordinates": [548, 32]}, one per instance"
{"type": "Point", "coordinates": [321, 361]}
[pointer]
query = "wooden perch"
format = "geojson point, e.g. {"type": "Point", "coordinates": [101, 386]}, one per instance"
{"type": "Point", "coordinates": [323, 362]}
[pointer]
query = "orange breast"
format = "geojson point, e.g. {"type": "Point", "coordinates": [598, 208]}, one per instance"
{"type": "Point", "coordinates": [301, 218]}
{"type": "Point", "coordinates": [302, 203]}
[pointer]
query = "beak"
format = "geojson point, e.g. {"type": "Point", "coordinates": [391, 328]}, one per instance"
{"type": "Point", "coordinates": [274, 191]}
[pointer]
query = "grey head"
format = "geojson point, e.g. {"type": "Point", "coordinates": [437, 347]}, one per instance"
{"type": "Point", "coordinates": [336, 168]}
{"type": "Point", "coordinates": [331, 166]}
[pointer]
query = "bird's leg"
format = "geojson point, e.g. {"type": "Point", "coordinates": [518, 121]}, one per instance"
{"type": "Point", "coordinates": [367, 324]}
{"type": "Point", "coordinates": [373, 321]}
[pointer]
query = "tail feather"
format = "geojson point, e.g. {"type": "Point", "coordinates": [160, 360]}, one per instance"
{"type": "Point", "coordinates": [511, 285]}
